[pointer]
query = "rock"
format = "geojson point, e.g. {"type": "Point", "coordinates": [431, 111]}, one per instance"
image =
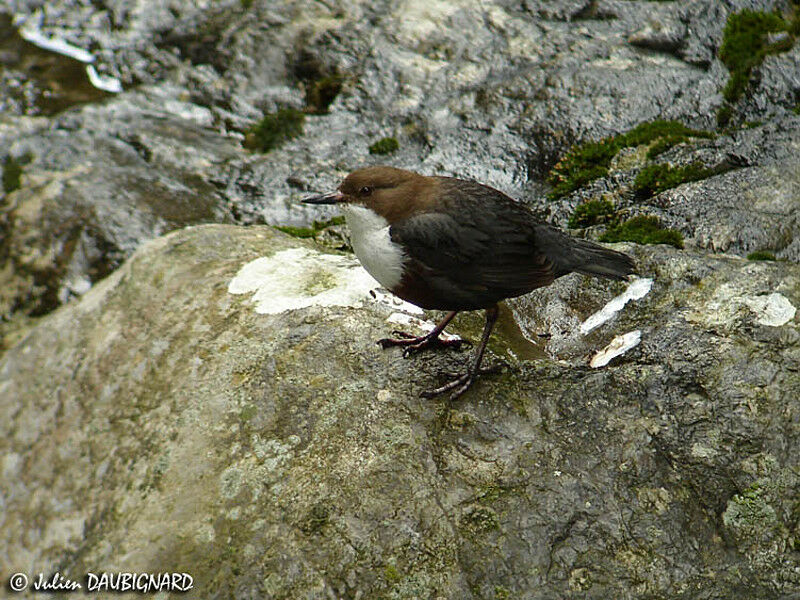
{"type": "Point", "coordinates": [96, 183]}
{"type": "Point", "coordinates": [161, 423]}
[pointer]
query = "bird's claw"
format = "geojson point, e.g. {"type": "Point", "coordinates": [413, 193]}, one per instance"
{"type": "Point", "coordinates": [462, 383]}
{"type": "Point", "coordinates": [404, 334]}
{"type": "Point", "coordinates": [414, 344]}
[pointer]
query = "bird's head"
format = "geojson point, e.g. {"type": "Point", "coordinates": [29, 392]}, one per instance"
{"type": "Point", "coordinates": [390, 192]}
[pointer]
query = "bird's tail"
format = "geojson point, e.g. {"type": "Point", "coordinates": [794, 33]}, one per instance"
{"type": "Point", "coordinates": [593, 259]}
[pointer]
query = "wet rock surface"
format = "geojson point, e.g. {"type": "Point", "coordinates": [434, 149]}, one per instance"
{"type": "Point", "coordinates": [669, 472]}
{"type": "Point", "coordinates": [161, 423]}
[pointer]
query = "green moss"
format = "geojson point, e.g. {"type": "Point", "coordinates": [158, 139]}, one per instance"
{"type": "Point", "coordinates": [589, 161]}
{"type": "Point", "coordinates": [590, 213]}
{"type": "Point", "coordinates": [761, 255]}
{"type": "Point", "coordinates": [643, 230]}
{"type": "Point", "coordinates": [275, 129]}
{"type": "Point", "coordinates": [298, 232]}
{"type": "Point", "coordinates": [12, 174]}
{"type": "Point", "coordinates": [321, 93]}
{"type": "Point", "coordinates": [745, 44]}
{"type": "Point", "coordinates": [580, 165]}
{"type": "Point", "coordinates": [652, 130]}
{"type": "Point", "coordinates": [319, 225]}
{"type": "Point", "coordinates": [796, 110]}
{"type": "Point", "coordinates": [654, 179]}
{"type": "Point", "coordinates": [391, 574]}
{"type": "Point", "coordinates": [385, 145]}
{"type": "Point", "coordinates": [248, 412]}
{"type": "Point", "coordinates": [501, 593]}
{"type": "Point", "coordinates": [661, 146]}
{"type": "Point", "coordinates": [310, 232]}
{"type": "Point", "coordinates": [794, 23]}
{"type": "Point", "coordinates": [724, 114]}
{"type": "Point", "coordinates": [666, 134]}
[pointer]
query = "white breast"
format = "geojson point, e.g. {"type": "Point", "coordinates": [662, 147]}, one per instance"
{"type": "Point", "coordinates": [369, 233]}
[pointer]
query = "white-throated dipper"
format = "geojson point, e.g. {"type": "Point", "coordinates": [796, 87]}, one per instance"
{"type": "Point", "coordinates": [450, 244]}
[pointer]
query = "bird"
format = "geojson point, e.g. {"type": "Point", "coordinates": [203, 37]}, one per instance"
{"type": "Point", "coordinates": [450, 244]}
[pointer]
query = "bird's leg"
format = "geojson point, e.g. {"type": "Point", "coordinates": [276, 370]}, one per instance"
{"type": "Point", "coordinates": [412, 343]}
{"type": "Point", "coordinates": [462, 384]}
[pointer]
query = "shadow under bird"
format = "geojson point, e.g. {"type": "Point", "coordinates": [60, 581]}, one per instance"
{"type": "Point", "coordinates": [450, 244]}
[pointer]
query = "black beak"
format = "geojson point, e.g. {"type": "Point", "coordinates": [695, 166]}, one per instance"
{"type": "Point", "coordinates": [330, 198]}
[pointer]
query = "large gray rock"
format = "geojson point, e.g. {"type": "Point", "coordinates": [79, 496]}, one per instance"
{"type": "Point", "coordinates": [162, 423]}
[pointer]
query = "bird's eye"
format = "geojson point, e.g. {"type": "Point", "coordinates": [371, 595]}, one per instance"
{"type": "Point", "coordinates": [365, 191]}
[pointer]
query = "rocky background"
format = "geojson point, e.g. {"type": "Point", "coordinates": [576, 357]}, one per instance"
{"type": "Point", "coordinates": [153, 420]}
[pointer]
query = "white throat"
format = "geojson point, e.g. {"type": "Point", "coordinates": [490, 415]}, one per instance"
{"type": "Point", "coordinates": [369, 233]}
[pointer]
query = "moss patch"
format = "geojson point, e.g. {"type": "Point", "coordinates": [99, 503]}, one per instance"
{"type": "Point", "coordinates": [745, 44]}
{"type": "Point", "coordinates": [591, 213]}
{"type": "Point", "coordinates": [275, 129]}
{"type": "Point", "coordinates": [643, 230]}
{"type": "Point", "coordinates": [589, 161]}
{"type": "Point", "coordinates": [654, 179]}
{"type": "Point", "coordinates": [385, 145]}
{"type": "Point", "coordinates": [321, 93]}
{"type": "Point", "coordinates": [391, 574]}
{"type": "Point", "coordinates": [12, 174]}
{"type": "Point", "coordinates": [761, 255]}
{"type": "Point", "coordinates": [310, 232]}
{"type": "Point", "coordinates": [501, 593]}
{"type": "Point", "coordinates": [671, 132]}
{"type": "Point", "coordinates": [582, 164]}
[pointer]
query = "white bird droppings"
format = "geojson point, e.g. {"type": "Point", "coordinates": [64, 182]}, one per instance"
{"type": "Point", "coordinates": [298, 277]}
{"type": "Point", "coordinates": [618, 346]}
{"type": "Point", "coordinates": [637, 289]}
{"type": "Point", "coordinates": [773, 310]}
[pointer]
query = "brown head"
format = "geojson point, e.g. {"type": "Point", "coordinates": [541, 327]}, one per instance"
{"type": "Point", "coordinates": [392, 193]}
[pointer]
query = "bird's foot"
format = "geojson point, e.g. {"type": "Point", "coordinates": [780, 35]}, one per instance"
{"type": "Point", "coordinates": [460, 384]}
{"type": "Point", "coordinates": [415, 343]}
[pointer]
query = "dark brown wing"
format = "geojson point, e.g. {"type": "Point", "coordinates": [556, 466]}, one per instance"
{"type": "Point", "coordinates": [481, 249]}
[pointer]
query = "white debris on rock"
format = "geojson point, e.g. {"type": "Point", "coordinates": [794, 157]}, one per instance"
{"type": "Point", "coordinates": [637, 290]}
{"type": "Point", "coordinates": [773, 310]}
{"type": "Point", "coordinates": [54, 44]}
{"type": "Point", "coordinates": [107, 83]}
{"type": "Point", "coordinates": [299, 277]}
{"type": "Point", "coordinates": [618, 346]}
